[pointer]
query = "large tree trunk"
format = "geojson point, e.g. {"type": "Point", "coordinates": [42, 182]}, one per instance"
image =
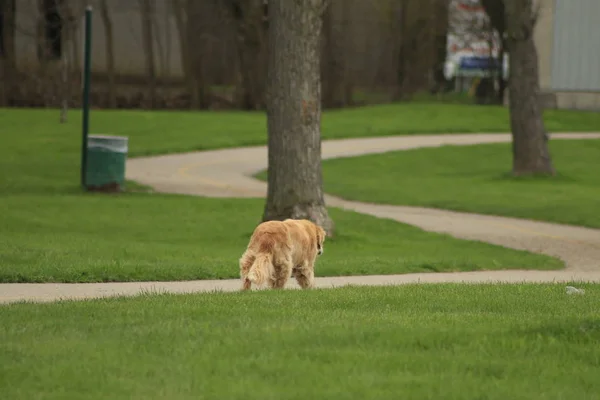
{"type": "Point", "coordinates": [530, 147]}
{"type": "Point", "coordinates": [110, 53]}
{"type": "Point", "coordinates": [295, 186]}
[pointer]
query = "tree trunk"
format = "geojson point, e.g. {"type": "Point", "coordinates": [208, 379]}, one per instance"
{"type": "Point", "coordinates": [147, 10]}
{"type": "Point", "coordinates": [178, 9]}
{"type": "Point", "coordinates": [252, 74]}
{"type": "Point", "coordinates": [40, 36]}
{"type": "Point", "coordinates": [440, 48]}
{"type": "Point", "coordinates": [74, 38]}
{"type": "Point", "coordinates": [402, 33]}
{"type": "Point", "coordinates": [160, 38]}
{"type": "Point", "coordinates": [251, 42]}
{"type": "Point", "coordinates": [501, 80]}
{"type": "Point", "coordinates": [67, 17]}
{"type": "Point", "coordinates": [530, 147]}
{"type": "Point", "coordinates": [295, 184]}
{"type": "Point", "coordinates": [181, 12]}
{"type": "Point", "coordinates": [198, 29]}
{"type": "Point", "coordinates": [337, 90]}
{"type": "Point", "coordinates": [110, 53]}
{"type": "Point", "coordinates": [64, 106]}
{"type": "Point", "coordinates": [8, 66]}
{"type": "Point", "coordinates": [496, 13]}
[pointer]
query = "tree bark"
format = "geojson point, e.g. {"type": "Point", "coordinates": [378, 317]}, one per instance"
{"type": "Point", "coordinates": [295, 184]}
{"type": "Point", "coordinates": [110, 53]}
{"type": "Point", "coordinates": [530, 148]}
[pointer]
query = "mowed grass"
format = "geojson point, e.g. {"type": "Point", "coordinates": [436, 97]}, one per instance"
{"type": "Point", "coordinates": [51, 232]}
{"type": "Point", "coordinates": [162, 132]}
{"type": "Point", "coordinates": [423, 341]}
{"type": "Point", "coordinates": [476, 179]}
{"type": "Point", "coordinates": [38, 154]}
{"type": "Point", "coordinates": [140, 237]}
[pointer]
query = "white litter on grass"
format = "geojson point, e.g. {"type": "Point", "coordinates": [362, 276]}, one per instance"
{"type": "Point", "coordinates": [574, 290]}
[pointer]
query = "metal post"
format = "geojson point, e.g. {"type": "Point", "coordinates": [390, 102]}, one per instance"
{"type": "Point", "coordinates": [87, 55]}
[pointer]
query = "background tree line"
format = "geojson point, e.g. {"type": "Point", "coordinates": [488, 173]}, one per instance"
{"type": "Point", "coordinates": [372, 52]}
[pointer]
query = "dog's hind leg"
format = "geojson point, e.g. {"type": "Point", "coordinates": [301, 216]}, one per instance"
{"type": "Point", "coordinates": [305, 276]}
{"type": "Point", "coordinates": [245, 264]}
{"type": "Point", "coordinates": [283, 268]}
{"type": "Point", "coordinates": [279, 281]}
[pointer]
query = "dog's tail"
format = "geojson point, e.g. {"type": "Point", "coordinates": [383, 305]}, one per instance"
{"type": "Point", "coordinates": [261, 269]}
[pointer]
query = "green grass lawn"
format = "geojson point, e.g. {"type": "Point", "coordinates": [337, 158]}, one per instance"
{"type": "Point", "coordinates": [50, 231]}
{"type": "Point", "coordinates": [169, 131]}
{"type": "Point", "coordinates": [422, 341]}
{"type": "Point", "coordinates": [475, 179]}
{"type": "Point", "coordinates": [140, 237]}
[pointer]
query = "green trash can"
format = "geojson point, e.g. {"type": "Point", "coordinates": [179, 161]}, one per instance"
{"type": "Point", "coordinates": [105, 166]}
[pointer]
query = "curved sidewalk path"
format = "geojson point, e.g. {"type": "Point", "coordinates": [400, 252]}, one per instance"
{"type": "Point", "coordinates": [227, 173]}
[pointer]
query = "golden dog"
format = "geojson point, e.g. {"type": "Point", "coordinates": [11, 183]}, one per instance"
{"type": "Point", "coordinates": [280, 249]}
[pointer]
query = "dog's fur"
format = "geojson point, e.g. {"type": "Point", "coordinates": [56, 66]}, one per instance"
{"type": "Point", "coordinates": [280, 249]}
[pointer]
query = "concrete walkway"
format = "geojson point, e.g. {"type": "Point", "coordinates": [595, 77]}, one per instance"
{"type": "Point", "coordinates": [227, 173]}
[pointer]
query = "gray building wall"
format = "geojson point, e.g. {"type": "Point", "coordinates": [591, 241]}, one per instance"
{"type": "Point", "coordinates": [568, 41]}
{"type": "Point", "coordinates": [576, 46]}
